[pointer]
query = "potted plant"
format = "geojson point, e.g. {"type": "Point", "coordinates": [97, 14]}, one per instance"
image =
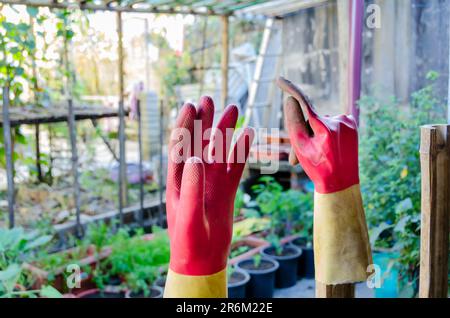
{"type": "Point", "coordinates": [237, 282]}
{"type": "Point", "coordinates": [303, 227]}
{"type": "Point", "coordinates": [161, 279]}
{"type": "Point", "coordinates": [136, 261]}
{"type": "Point", "coordinates": [281, 206]}
{"type": "Point", "coordinates": [88, 253]}
{"type": "Point", "coordinates": [262, 275]}
{"type": "Point", "coordinates": [138, 283]}
{"type": "Point", "coordinates": [245, 247]}
{"type": "Point", "coordinates": [17, 247]}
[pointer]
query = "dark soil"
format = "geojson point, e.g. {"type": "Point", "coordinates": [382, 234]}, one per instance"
{"type": "Point", "coordinates": [236, 277]}
{"type": "Point", "coordinates": [161, 282]}
{"type": "Point", "coordinates": [153, 293]}
{"type": "Point", "coordinates": [287, 251]}
{"type": "Point", "coordinates": [114, 281]}
{"type": "Point", "coordinates": [105, 295]}
{"type": "Point", "coordinates": [263, 265]}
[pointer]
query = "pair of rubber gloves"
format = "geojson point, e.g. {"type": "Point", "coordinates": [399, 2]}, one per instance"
{"type": "Point", "coordinates": [200, 194]}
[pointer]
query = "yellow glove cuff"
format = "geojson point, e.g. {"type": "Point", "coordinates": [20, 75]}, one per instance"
{"type": "Point", "coordinates": [341, 242]}
{"type": "Point", "coordinates": [208, 286]}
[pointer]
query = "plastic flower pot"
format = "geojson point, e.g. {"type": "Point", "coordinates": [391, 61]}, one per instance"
{"type": "Point", "coordinates": [237, 283]}
{"type": "Point", "coordinates": [306, 261]}
{"type": "Point", "coordinates": [262, 278]}
{"type": "Point", "coordinates": [386, 260]}
{"type": "Point", "coordinates": [286, 274]}
{"type": "Point", "coordinates": [155, 292]}
{"type": "Point", "coordinates": [161, 282]}
{"type": "Point", "coordinates": [97, 293]}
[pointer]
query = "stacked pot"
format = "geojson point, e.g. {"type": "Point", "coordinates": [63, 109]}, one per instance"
{"type": "Point", "coordinates": [274, 270]}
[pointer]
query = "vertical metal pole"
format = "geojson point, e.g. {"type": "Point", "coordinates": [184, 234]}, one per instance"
{"type": "Point", "coordinates": [225, 56]}
{"type": "Point", "coordinates": [73, 146]}
{"type": "Point", "coordinates": [9, 155]}
{"type": "Point", "coordinates": [73, 139]}
{"type": "Point", "coordinates": [36, 100]}
{"type": "Point", "coordinates": [38, 152]}
{"type": "Point", "coordinates": [435, 215]}
{"type": "Point", "coordinates": [147, 56]}
{"type": "Point", "coordinates": [354, 70]}
{"type": "Point", "coordinates": [122, 161]}
{"type": "Point", "coordinates": [141, 181]}
{"type": "Point", "coordinates": [161, 181]}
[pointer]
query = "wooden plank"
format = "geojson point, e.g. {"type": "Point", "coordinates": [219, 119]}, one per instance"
{"type": "Point", "coordinates": [25, 116]}
{"type": "Point", "coordinates": [224, 61]}
{"type": "Point", "coordinates": [9, 156]}
{"type": "Point", "coordinates": [103, 7]}
{"type": "Point", "coordinates": [434, 235]}
{"type": "Point", "coordinates": [335, 291]}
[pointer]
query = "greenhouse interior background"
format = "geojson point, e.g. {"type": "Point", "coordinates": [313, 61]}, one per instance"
{"type": "Point", "coordinates": [91, 90]}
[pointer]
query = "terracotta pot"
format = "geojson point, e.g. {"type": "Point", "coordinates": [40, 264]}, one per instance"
{"type": "Point", "coordinates": [257, 245]}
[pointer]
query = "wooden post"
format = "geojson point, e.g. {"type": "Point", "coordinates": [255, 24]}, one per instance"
{"type": "Point", "coordinates": [434, 234]}
{"type": "Point", "coordinates": [160, 177]}
{"type": "Point", "coordinates": [343, 16]}
{"type": "Point", "coordinates": [73, 138]}
{"type": "Point", "coordinates": [122, 162]}
{"type": "Point", "coordinates": [335, 291]}
{"type": "Point", "coordinates": [225, 56]}
{"type": "Point", "coordinates": [9, 155]}
{"type": "Point", "coordinates": [141, 182]}
{"type": "Point", "coordinates": [448, 100]}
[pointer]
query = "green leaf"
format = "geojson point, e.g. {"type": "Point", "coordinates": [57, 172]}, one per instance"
{"type": "Point", "coordinates": [376, 231]}
{"type": "Point", "coordinates": [32, 11]}
{"type": "Point", "coordinates": [404, 205]}
{"type": "Point", "coordinates": [42, 240]}
{"type": "Point", "coordinates": [11, 272]}
{"type": "Point", "coordinates": [50, 292]}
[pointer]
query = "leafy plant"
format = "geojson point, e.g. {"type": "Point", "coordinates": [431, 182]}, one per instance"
{"type": "Point", "coordinates": [390, 171]}
{"type": "Point", "coordinates": [257, 258]}
{"type": "Point", "coordinates": [137, 260]}
{"type": "Point", "coordinates": [290, 211]}
{"type": "Point", "coordinates": [17, 247]}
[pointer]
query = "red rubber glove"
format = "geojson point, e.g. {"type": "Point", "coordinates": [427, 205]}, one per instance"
{"type": "Point", "coordinates": [326, 147]}
{"type": "Point", "coordinates": [200, 192]}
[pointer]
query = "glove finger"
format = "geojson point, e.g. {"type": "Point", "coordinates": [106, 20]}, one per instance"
{"type": "Point", "coordinates": [238, 157]}
{"type": "Point", "coordinates": [205, 117]}
{"type": "Point", "coordinates": [191, 223]}
{"type": "Point", "coordinates": [180, 147]}
{"type": "Point", "coordinates": [316, 123]}
{"type": "Point", "coordinates": [293, 157]}
{"type": "Point", "coordinates": [222, 137]}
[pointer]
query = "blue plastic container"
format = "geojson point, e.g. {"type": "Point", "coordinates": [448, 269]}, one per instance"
{"type": "Point", "coordinates": [389, 274]}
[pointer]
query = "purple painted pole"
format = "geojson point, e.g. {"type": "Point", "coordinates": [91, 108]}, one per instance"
{"type": "Point", "coordinates": [355, 54]}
